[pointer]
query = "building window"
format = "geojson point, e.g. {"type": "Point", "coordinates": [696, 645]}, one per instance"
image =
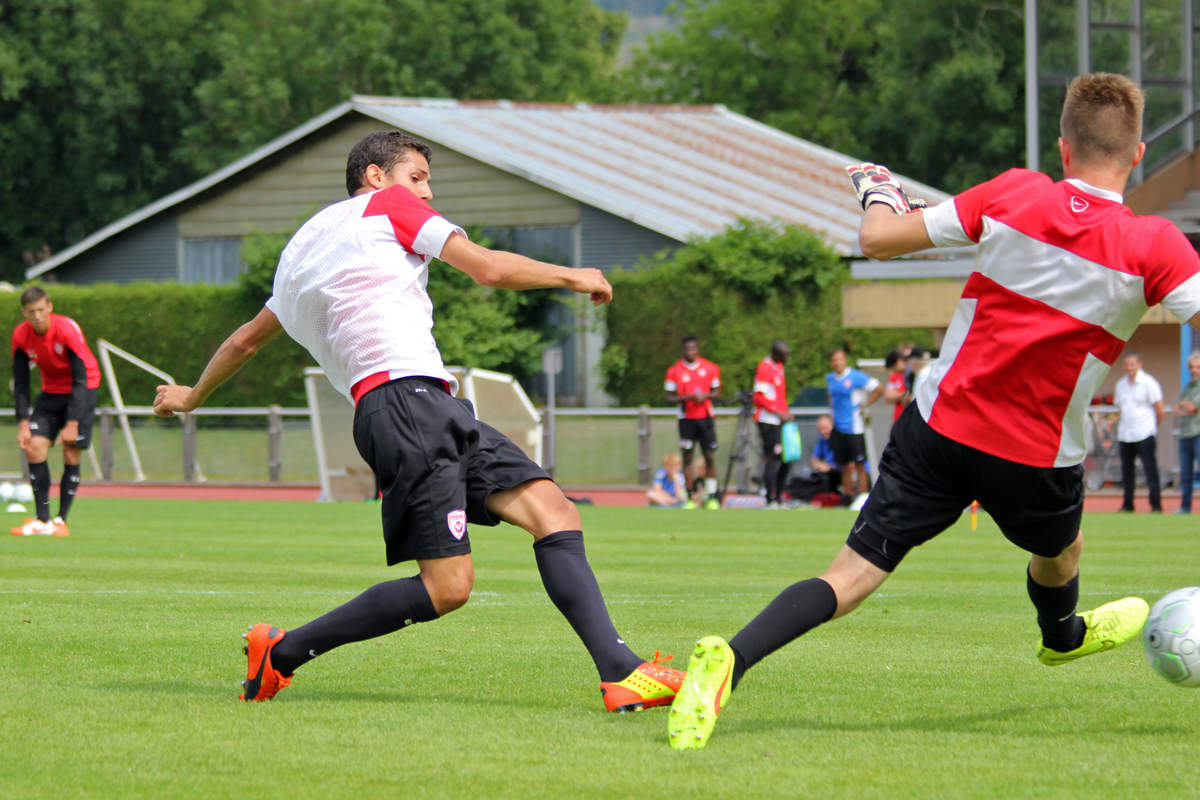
{"type": "Point", "coordinates": [212, 260]}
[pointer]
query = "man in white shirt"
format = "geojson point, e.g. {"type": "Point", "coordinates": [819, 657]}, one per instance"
{"type": "Point", "coordinates": [351, 288]}
{"type": "Point", "coordinates": [1138, 398]}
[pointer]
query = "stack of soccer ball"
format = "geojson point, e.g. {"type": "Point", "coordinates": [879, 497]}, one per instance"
{"type": "Point", "coordinates": [13, 495]}
{"type": "Point", "coordinates": [1172, 637]}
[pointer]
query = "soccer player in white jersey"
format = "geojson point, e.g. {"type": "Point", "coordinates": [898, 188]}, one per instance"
{"type": "Point", "coordinates": [1064, 273]}
{"type": "Point", "coordinates": [351, 288]}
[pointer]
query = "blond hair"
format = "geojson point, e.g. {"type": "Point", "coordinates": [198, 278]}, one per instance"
{"type": "Point", "coordinates": [1102, 117]}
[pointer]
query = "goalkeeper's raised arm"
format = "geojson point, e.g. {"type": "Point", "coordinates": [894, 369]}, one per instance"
{"type": "Point", "coordinates": [893, 224]}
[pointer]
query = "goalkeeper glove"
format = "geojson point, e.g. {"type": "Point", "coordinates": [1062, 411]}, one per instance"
{"type": "Point", "coordinates": [873, 183]}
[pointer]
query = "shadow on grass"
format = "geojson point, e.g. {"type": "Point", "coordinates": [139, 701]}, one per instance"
{"type": "Point", "coordinates": [976, 722]}
{"type": "Point", "coordinates": [315, 692]}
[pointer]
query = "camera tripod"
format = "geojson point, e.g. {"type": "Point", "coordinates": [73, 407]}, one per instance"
{"type": "Point", "coordinates": [743, 441]}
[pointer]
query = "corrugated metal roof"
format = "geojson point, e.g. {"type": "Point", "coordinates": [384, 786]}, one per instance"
{"type": "Point", "coordinates": [679, 170]}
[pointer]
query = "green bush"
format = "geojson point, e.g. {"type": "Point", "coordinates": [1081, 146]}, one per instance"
{"type": "Point", "coordinates": [177, 328]}
{"type": "Point", "coordinates": [736, 292]}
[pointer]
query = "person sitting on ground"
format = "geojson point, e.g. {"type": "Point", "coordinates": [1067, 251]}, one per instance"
{"type": "Point", "coordinates": [670, 486]}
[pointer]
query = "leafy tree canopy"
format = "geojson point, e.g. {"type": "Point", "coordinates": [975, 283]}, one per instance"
{"type": "Point", "coordinates": [110, 104]}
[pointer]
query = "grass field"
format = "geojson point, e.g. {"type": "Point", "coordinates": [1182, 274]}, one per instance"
{"type": "Point", "coordinates": [120, 660]}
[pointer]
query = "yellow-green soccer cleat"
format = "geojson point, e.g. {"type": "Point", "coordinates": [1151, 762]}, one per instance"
{"type": "Point", "coordinates": [703, 695]}
{"type": "Point", "coordinates": [1108, 626]}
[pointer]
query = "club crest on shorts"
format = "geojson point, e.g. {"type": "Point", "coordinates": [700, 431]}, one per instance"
{"type": "Point", "coordinates": [456, 521]}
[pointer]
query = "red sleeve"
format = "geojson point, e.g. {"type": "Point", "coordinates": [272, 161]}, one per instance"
{"type": "Point", "coordinates": [1174, 259]}
{"type": "Point", "coordinates": [407, 213]}
{"type": "Point", "coordinates": [972, 205]}
{"type": "Point", "coordinates": [761, 376]}
{"type": "Point", "coordinates": [71, 336]}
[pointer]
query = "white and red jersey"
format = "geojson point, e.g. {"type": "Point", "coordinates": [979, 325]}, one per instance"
{"type": "Point", "coordinates": [770, 392]}
{"type": "Point", "coordinates": [351, 288]}
{"type": "Point", "coordinates": [52, 353]}
{"type": "Point", "coordinates": [1064, 274]}
{"type": "Point", "coordinates": [684, 379]}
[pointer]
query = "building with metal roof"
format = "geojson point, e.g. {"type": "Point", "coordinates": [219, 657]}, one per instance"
{"type": "Point", "coordinates": [579, 184]}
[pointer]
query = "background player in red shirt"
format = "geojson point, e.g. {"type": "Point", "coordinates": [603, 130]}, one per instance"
{"type": "Point", "coordinates": [1064, 273]}
{"type": "Point", "coordinates": [693, 383]}
{"type": "Point", "coordinates": [897, 387]}
{"type": "Point", "coordinates": [70, 377]}
{"type": "Point", "coordinates": [770, 412]}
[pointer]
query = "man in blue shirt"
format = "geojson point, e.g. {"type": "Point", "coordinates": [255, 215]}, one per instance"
{"type": "Point", "coordinates": [850, 390]}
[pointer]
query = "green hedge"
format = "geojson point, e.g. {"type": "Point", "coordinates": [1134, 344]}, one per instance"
{"type": "Point", "coordinates": [177, 329]}
{"type": "Point", "coordinates": [736, 292]}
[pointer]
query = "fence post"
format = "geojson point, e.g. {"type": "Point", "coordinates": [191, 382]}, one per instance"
{"type": "Point", "coordinates": [189, 447]}
{"type": "Point", "coordinates": [643, 445]}
{"type": "Point", "coordinates": [106, 444]}
{"type": "Point", "coordinates": [275, 443]}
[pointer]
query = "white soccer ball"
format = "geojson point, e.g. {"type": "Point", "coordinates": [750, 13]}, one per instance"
{"type": "Point", "coordinates": [23, 493]}
{"type": "Point", "coordinates": [6, 491]}
{"type": "Point", "coordinates": [1172, 637]}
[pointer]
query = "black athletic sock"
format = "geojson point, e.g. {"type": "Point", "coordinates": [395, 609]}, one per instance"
{"type": "Point", "coordinates": [66, 490]}
{"type": "Point", "coordinates": [40, 481]}
{"type": "Point", "coordinates": [383, 608]}
{"type": "Point", "coordinates": [572, 588]}
{"type": "Point", "coordinates": [771, 469]}
{"type": "Point", "coordinates": [798, 609]}
{"type": "Point", "coordinates": [1062, 628]}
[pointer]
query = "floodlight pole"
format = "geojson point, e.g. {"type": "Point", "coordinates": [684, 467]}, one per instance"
{"type": "Point", "coordinates": [1031, 85]}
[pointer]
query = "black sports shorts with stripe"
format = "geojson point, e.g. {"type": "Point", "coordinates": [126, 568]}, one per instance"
{"type": "Point", "coordinates": [926, 480]}
{"type": "Point", "coordinates": [436, 465]}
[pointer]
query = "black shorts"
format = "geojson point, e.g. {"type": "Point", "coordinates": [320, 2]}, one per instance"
{"type": "Point", "coordinates": [49, 415]}
{"type": "Point", "coordinates": [436, 465]}
{"type": "Point", "coordinates": [769, 435]}
{"type": "Point", "coordinates": [701, 431]}
{"type": "Point", "coordinates": [926, 480]}
{"type": "Point", "coordinates": [848, 448]}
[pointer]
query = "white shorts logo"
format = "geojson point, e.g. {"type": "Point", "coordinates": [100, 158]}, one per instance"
{"type": "Point", "coordinates": [456, 521]}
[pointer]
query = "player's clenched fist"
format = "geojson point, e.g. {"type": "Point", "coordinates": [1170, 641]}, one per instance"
{"type": "Point", "coordinates": [873, 183]}
{"type": "Point", "coordinates": [591, 281]}
{"type": "Point", "coordinates": [171, 398]}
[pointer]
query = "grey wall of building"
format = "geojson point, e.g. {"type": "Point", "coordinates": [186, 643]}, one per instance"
{"type": "Point", "coordinates": [607, 240]}
{"type": "Point", "coordinates": [146, 252]}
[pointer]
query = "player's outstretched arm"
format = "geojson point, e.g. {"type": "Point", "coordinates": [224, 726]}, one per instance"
{"type": "Point", "coordinates": [231, 356]}
{"type": "Point", "coordinates": [512, 271]}
{"type": "Point", "coordinates": [883, 235]}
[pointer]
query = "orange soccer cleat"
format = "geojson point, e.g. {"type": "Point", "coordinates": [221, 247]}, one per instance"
{"type": "Point", "coordinates": [651, 684]}
{"type": "Point", "coordinates": [262, 680]}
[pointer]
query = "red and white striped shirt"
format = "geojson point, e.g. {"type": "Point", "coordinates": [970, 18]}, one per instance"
{"type": "Point", "coordinates": [770, 392]}
{"type": "Point", "coordinates": [1064, 274]}
{"type": "Point", "coordinates": [351, 288]}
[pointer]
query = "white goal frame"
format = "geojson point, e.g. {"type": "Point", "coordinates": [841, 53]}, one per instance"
{"type": "Point", "coordinates": [470, 382]}
{"type": "Point", "coordinates": [104, 348]}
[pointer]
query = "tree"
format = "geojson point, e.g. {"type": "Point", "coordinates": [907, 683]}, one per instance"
{"type": "Point", "coordinates": [736, 292]}
{"type": "Point", "coordinates": [797, 65]}
{"type": "Point", "coordinates": [933, 89]}
{"type": "Point", "coordinates": [109, 104]}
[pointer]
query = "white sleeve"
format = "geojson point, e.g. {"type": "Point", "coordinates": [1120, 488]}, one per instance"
{"type": "Point", "coordinates": [1184, 300]}
{"type": "Point", "coordinates": [433, 236]}
{"type": "Point", "coordinates": [944, 227]}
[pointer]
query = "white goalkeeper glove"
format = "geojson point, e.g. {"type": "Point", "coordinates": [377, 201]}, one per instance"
{"type": "Point", "coordinates": [873, 183]}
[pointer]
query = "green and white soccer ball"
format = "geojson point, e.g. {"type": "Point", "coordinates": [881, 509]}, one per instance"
{"type": "Point", "coordinates": [1172, 637]}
